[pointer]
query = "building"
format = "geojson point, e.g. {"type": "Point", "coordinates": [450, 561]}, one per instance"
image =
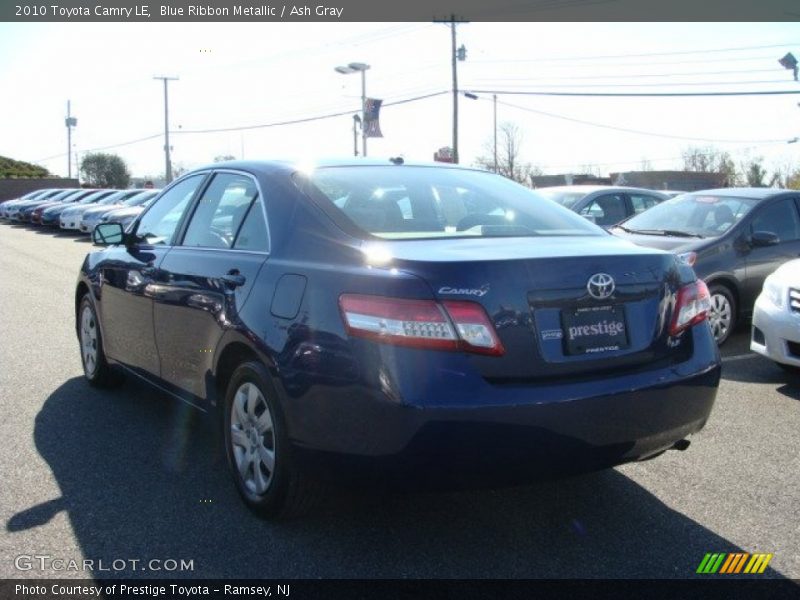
{"type": "Point", "coordinates": [682, 181]}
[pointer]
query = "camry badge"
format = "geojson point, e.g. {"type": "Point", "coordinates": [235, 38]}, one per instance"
{"type": "Point", "coordinates": [600, 286]}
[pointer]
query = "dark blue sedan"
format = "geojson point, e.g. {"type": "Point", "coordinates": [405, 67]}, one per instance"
{"type": "Point", "coordinates": [382, 321]}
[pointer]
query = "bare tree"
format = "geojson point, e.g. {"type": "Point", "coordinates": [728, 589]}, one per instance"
{"type": "Point", "coordinates": [509, 164]}
{"type": "Point", "coordinates": [711, 160]}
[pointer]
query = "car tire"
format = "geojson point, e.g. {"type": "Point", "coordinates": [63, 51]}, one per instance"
{"type": "Point", "coordinates": [722, 317]}
{"type": "Point", "coordinates": [95, 366]}
{"type": "Point", "coordinates": [258, 450]}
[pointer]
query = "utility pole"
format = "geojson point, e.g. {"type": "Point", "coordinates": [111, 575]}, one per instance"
{"type": "Point", "coordinates": [494, 97]}
{"type": "Point", "coordinates": [70, 122]}
{"type": "Point", "coordinates": [457, 54]}
{"type": "Point", "coordinates": [168, 169]}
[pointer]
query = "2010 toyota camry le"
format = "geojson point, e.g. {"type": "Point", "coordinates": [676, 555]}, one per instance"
{"type": "Point", "coordinates": [377, 320]}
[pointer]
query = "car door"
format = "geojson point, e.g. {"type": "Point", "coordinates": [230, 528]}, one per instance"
{"type": "Point", "coordinates": [208, 277]}
{"type": "Point", "coordinates": [780, 217]}
{"type": "Point", "coordinates": [128, 274]}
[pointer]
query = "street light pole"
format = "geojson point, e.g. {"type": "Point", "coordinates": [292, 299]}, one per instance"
{"type": "Point", "coordinates": [356, 123]}
{"type": "Point", "coordinates": [355, 68]}
{"type": "Point", "coordinates": [168, 162]}
{"type": "Point", "coordinates": [70, 122]}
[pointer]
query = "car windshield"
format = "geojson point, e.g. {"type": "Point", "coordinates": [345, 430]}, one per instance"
{"type": "Point", "coordinates": [406, 202]}
{"type": "Point", "coordinates": [568, 199]}
{"type": "Point", "coordinates": [700, 215]}
{"type": "Point", "coordinates": [139, 198]}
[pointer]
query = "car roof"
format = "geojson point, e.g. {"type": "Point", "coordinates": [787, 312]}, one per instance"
{"type": "Point", "coordinates": [290, 165]}
{"type": "Point", "coordinates": [595, 188]}
{"type": "Point", "coordinates": [755, 193]}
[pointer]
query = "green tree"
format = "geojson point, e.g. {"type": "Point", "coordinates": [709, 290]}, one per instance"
{"type": "Point", "coordinates": [16, 169]}
{"type": "Point", "coordinates": [755, 173]}
{"type": "Point", "coordinates": [105, 170]}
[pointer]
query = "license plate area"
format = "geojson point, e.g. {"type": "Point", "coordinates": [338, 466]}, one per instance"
{"type": "Point", "coordinates": [594, 329]}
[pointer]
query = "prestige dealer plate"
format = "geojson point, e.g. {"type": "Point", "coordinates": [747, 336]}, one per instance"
{"type": "Point", "coordinates": [594, 329]}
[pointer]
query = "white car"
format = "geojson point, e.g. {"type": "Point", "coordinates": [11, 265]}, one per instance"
{"type": "Point", "coordinates": [776, 316]}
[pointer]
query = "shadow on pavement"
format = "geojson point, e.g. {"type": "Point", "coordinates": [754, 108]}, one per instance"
{"type": "Point", "coordinates": [141, 477]}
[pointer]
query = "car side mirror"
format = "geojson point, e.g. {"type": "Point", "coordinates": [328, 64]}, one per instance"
{"type": "Point", "coordinates": [764, 238]}
{"type": "Point", "coordinates": [108, 234]}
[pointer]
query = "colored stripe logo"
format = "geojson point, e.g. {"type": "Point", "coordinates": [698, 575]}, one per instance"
{"type": "Point", "coordinates": [733, 563]}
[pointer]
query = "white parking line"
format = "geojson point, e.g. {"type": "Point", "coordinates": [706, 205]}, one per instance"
{"type": "Point", "coordinates": [739, 357]}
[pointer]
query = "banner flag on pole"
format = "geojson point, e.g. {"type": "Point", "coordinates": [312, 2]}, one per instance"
{"type": "Point", "coordinates": [372, 109]}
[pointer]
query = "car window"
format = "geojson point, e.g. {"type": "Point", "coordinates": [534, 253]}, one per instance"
{"type": "Point", "coordinates": [159, 223]}
{"type": "Point", "coordinates": [641, 202]}
{"type": "Point", "coordinates": [412, 202]}
{"type": "Point", "coordinates": [606, 210]}
{"type": "Point", "coordinates": [700, 214]}
{"type": "Point", "coordinates": [220, 211]}
{"type": "Point", "coordinates": [568, 199]}
{"type": "Point", "coordinates": [779, 218]}
{"type": "Point", "coordinates": [253, 233]}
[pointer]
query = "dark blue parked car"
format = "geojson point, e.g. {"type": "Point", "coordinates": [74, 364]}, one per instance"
{"type": "Point", "coordinates": [422, 324]}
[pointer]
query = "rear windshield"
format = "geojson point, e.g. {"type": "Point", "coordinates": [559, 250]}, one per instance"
{"type": "Point", "coordinates": [405, 202]}
{"type": "Point", "coordinates": [702, 215]}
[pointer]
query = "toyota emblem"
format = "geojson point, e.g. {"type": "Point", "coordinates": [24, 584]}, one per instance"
{"type": "Point", "coordinates": [600, 286]}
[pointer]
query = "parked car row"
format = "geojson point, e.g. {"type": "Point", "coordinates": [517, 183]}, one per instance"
{"type": "Point", "coordinates": [77, 209]}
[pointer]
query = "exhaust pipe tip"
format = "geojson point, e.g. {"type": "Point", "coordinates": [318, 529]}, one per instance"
{"type": "Point", "coordinates": [681, 445]}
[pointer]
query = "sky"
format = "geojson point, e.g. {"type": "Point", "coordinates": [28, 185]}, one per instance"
{"type": "Point", "coordinates": [244, 74]}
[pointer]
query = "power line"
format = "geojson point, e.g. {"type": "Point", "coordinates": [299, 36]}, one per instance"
{"type": "Point", "coordinates": [629, 75]}
{"type": "Point", "coordinates": [306, 119]}
{"type": "Point", "coordinates": [672, 83]}
{"type": "Point", "coordinates": [246, 127]}
{"type": "Point", "coordinates": [128, 143]}
{"type": "Point", "coordinates": [636, 131]}
{"type": "Point", "coordinates": [634, 94]}
{"type": "Point", "coordinates": [641, 55]}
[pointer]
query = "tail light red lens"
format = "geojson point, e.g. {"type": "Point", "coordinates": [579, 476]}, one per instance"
{"type": "Point", "coordinates": [420, 323]}
{"type": "Point", "coordinates": [692, 307]}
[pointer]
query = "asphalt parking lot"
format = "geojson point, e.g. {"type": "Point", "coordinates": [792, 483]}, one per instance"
{"type": "Point", "coordinates": [130, 474]}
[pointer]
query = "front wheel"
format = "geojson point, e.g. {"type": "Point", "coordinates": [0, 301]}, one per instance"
{"type": "Point", "coordinates": [95, 367]}
{"type": "Point", "coordinates": [722, 317]}
{"type": "Point", "coordinates": [257, 447]}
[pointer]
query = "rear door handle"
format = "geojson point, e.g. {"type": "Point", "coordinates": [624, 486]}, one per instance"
{"type": "Point", "coordinates": [234, 278]}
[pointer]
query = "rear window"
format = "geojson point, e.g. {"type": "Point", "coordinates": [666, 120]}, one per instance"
{"type": "Point", "coordinates": [405, 202]}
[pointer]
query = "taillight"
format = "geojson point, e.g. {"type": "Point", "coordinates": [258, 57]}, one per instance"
{"type": "Point", "coordinates": [691, 307]}
{"type": "Point", "coordinates": [420, 323]}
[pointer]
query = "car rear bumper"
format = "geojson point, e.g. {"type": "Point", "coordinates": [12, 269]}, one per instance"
{"type": "Point", "coordinates": [505, 433]}
{"type": "Point", "coordinates": [779, 333]}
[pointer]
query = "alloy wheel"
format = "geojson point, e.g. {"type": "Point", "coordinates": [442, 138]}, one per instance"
{"type": "Point", "coordinates": [252, 438]}
{"type": "Point", "coordinates": [720, 316]}
{"type": "Point", "coordinates": [89, 341]}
